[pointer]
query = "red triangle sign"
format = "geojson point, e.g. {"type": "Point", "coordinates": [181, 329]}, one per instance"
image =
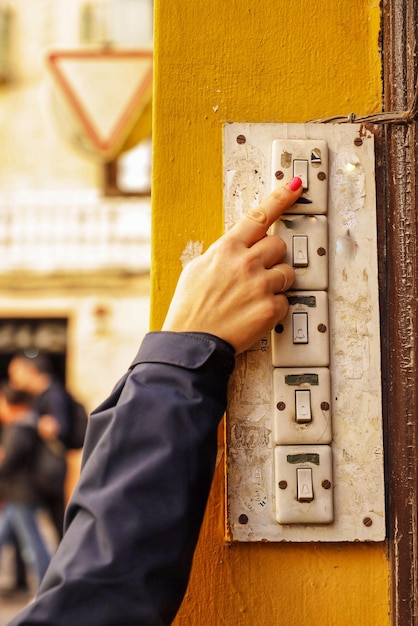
{"type": "Point", "coordinates": [106, 90]}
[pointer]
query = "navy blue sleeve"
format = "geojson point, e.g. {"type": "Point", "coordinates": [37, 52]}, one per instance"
{"type": "Point", "coordinates": [148, 462]}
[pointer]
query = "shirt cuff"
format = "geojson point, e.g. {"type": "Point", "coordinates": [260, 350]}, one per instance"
{"type": "Point", "coordinates": [188, 350]}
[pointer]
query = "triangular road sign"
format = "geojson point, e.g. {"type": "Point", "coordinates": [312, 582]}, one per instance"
{"type": "Point", "coordinates": [106, 90]}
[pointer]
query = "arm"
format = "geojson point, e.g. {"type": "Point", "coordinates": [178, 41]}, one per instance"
{"type": "Point", "coordinates": [133, 522]}
{"type": "Point", "coordinates": [150, 449]}
{"type": "Point", "coordinates": [53, 407]}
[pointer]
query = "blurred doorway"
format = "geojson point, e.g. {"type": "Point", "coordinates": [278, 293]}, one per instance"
{"type": "Point", "coordinates": [33, 335]}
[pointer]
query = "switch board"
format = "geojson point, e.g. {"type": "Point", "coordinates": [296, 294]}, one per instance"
{"type": "Point", "coordinates": [304, 484]}
{"type": "Point", "coordinates": [302, 337]}
{"type": "Point", "coordinates": [307, 159]}
{"type": "Point", "coordinates": [341, 189]}
{"type": "Point", "coordinates": [294, 421]}
{"type": "Point", "coordinates": [306, 238]}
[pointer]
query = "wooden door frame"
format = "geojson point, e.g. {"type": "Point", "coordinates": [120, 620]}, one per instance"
{"type": "Point", "coordinates": [398, 225]}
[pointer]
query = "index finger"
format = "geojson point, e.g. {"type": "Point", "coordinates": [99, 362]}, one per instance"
{"type": "Point", "coordinates": [255, 224]}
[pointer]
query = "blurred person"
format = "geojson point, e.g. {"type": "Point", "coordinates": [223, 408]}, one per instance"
{"type": "Point", "coordinates": [34, 374]}
{"type": "Point", "coordinates": [20, 586]}
{"type": "Point", "coordinates": [18, 480]}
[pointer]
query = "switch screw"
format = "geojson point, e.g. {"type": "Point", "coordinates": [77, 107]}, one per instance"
{"type": "Point", "coordinates": [358, 141]}
{"type": "Point", "coordinates": [282, 484]}
{"type": "Point", "coordinates": [279, 328]}
{"type": "Point", "coordinates": [243, 519]}
{"type": "Point", "coordinates": [321, 252]}
{"type": "Point", "coordinates": [325, 406]}
{"type": "Point", "coordinates": [279, 175]}
{"type": "Point", "coordinates": [367, 521]}
{"type": "Point", "coordinates": [321, 176]}
{"type": "Point", "coordinates": [326, 484]}
{"type": "Point", "coordinates": [281, 406]}
{"type": "Point", "coordinates": [322, 328]}
{"type": "Point", "coordinates": [241, 139]}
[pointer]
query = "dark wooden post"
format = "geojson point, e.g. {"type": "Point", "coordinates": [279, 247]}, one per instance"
{"type": "Point", "coordinates": [399, 304]}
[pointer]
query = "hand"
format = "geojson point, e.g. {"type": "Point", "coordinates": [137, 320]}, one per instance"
{"type": "Point", "coordinates": [235, 289]}
{"type": "Point", "coordinates": [48, 428]}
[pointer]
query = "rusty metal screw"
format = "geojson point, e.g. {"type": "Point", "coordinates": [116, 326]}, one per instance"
{"type": "Point", "coordinates": [321, 176]}
{"type": "Point", "coordinates": [325, 406]}
{"type": "Point", "coordinates": [322, 328]}
{"type": "Point", "coordinates": [241, 139]}
{"type": "Point", "coordinates": [243, 519]}
{"type": "Point", "coordinates": [282, 484]}
{"type": "Point", "coordinates": [281, 406]}
{"type": "Point", "coordinates": [326, 484]}
{"type": "Point", "coordinates": [279, 175]}
{"type": "Point", "coordinates": [367, 521]}
{"type": "Point", "coordinates": [279, 328]}
{"type": "Point", "coordinates": [358, 142]}
{"type": "Point", "coordinates": [321, 252]}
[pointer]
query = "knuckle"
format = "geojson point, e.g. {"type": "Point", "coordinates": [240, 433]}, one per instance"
{"type": "Point", "coordinates": [275, 309]}
{"type": "Point", "coordinates": [258, 215]}
{"type": "Point", "coordinates": [290, 274]}
{"type": "Point", "coordinates": [277, 194]}
{"type": "Point", "coordinates": [280, 245]}
{"type": "Point", "coordinates": [282, 307]}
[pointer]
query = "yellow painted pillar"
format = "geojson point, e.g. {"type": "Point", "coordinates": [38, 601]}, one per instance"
{"type": "Point", "coordinates": [255, 61]}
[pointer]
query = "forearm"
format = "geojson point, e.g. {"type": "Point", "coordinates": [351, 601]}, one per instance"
{"type": "Point", "coordinates": [135, 516]}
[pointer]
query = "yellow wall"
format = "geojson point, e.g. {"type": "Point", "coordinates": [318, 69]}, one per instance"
{"type": "Point", "coordinates": [258, 61]}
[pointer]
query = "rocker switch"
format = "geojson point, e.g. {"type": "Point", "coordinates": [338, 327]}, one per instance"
{"type": "Point", "coordinates": [300, 250]}
{"type": "Point", "coordinates": [303, 406]}
{"type": "Point", "coordinates": [300, 168]}
{"type": "Point", "coordinates": [300, 327]}
{"type": "Point", "coordinates": [304, 484]}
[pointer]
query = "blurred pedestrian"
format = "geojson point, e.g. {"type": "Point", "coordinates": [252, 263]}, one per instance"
{"type": "Point", "coordinates": [18, 488]}
{"type": "Point", "coordinates": [51, 403]}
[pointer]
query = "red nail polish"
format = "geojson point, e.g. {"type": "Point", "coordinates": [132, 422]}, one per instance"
{"type": "Point", "coordinates": [294, 184]}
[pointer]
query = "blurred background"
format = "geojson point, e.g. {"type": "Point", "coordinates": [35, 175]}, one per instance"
{"type": "Point", "coordinates": [75, 188]}
{"type": "Point", "coordinates": [75, 185]}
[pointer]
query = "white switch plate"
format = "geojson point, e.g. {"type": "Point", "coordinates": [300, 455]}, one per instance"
{"type": "Point", "coordinates": [353, 298]}
{"type": "Point", "coordinates": [305, 341]}
{"type": "Point", "coordinates": [314, 276]}
{"type": "Point", "coordinates": [313, 154]}
{"type": "Point", "coordinates": [286, 381]}
{"type": "Point", "coordinates": [289, 510]}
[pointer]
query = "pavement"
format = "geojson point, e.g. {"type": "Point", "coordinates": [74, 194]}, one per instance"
{"type": "Point", "coordinates": [9, 607]}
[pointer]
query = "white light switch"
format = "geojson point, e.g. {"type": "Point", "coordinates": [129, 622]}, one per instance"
{"type": "Point", "coordinates": [304, 484]}
{"type": "Point", "coordinates": [300, 331]}
{"type": "Point", "coordinates": [293, 422]}
{"type": "Point", "coordinates": [303, 406]}
{"type": "Point", "coordinates": [304, 487]}
{"type": "Point", "coordinates": [306, 238]}
{"type": "Point", "coordinates": [300, 251]}
{"type": "Point", "coordinates": [308, 159]}
{"type": "Point", "coordinates": [302, 337]}
{"type": "Point", "coordinates": [300, 168]}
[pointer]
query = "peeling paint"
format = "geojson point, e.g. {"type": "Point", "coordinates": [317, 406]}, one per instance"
{"type": "Point", "coordinates": [192, 250]}
{"type": "Point", "coordinates": [349, 191]}
{"type": "Point", "coordinates": [246, 182]}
